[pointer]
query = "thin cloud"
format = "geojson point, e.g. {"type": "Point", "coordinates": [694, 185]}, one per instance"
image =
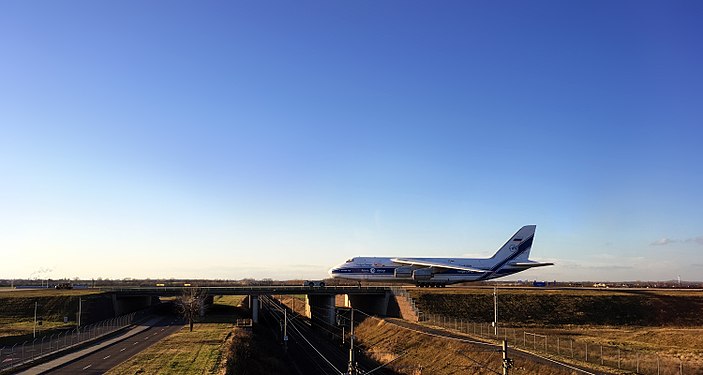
{"type": "Point", "coordinates": [663, 242]}
{"type": "Point", "coordinates": [698, 240]}
{"type": "Point", "coordinates": [597, 267]}
{"type": "Point", "coordinates": [667, 241]}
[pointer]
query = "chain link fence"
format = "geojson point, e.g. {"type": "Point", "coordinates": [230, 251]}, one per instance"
{"type": "Point", "coordinates": [613, 356]}
{"type": "Point", "coordinates": [43, 346]}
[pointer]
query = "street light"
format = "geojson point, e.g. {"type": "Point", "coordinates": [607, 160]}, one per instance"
{"type": "Point", "coordinates": [495, 311]}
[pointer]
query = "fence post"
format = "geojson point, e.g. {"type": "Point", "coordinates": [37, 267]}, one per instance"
{"type": "Point", "coordinates": [558, 349]}
{"type": "Point", "coordinates": [618, 357]}
{"type": "Point", "coordinates": [657, 364]}
{"type": "Point", "coordinates": [545, 343]}
{"type": "Point", "coordinates": [601, 354]}
{"type": "Point", "coordinates": [524, 338]}
{"type": "Point", "coordinates": [586, 351]}
{"type": "Point", "coordinates": [637, 358]}
{"type": "Point", "coordinates": [571, 344]}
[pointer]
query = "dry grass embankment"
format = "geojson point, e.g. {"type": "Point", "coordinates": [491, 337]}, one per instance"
{"type": "Point", "coordinates": [417, 353]}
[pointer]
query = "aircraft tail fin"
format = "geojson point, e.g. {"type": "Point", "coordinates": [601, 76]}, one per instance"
{"type": "Point", "coordinates": [518, 246]}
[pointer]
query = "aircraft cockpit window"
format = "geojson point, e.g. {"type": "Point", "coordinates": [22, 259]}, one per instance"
{"type": "Point", "coordinates": [350, 260]}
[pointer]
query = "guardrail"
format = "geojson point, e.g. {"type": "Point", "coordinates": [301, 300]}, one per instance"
{"type": "Point", "coordinates": [42, 347]}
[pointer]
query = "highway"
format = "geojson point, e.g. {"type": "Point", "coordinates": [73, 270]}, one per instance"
{"type": "Point", "coordinates": [106, 358]}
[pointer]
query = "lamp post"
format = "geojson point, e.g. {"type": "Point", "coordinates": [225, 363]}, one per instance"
{"type": "Point", "coordinates": [34, 334]}
{"type": "Point", "coordinates": [495, 312]}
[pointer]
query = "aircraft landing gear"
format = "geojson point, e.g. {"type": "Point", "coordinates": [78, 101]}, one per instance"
{"type": "Point", "coordinates": [431, 285]}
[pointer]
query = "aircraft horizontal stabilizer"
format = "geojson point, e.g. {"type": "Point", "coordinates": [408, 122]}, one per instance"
{"type": "Point", "coordinates": [530, 264]}
{"type": "Point", "coordinates": [426, 263]}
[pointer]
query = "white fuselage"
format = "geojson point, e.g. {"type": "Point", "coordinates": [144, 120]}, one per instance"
{"type": "Point", "coordinates": [384, 269]}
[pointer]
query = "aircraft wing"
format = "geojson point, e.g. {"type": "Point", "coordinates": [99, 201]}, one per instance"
{"type": "Point", "coordinates": [426, 263]}
{"type": "Point", "coordinates": [530, 264]}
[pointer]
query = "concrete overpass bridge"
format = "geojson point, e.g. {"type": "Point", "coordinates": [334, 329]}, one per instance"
{"type": "Point", "coordinates": [320, 301]}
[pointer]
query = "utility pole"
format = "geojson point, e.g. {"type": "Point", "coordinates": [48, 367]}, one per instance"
{"type": "Point", "coordinates": [35, 321]}
{"type": "Point", "coordinates": [352, 364]}
{"type": "Point", "coordinates": [507, 362]}
{"type": "Point", "coordinates": [495, 312]}
{"type": "Point", "coordinates": [80, 300]}
{"type": "Point", "coordinates": [285, 329]}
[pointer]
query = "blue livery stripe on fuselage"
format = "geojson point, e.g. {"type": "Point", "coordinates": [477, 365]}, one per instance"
{"type": "Point", "coordinates": [364, 271]}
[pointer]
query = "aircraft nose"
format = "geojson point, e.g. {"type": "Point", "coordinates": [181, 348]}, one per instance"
{"type": "Point", "coordinates": [332, 271]}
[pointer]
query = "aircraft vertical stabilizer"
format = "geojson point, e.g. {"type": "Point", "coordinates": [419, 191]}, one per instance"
{"type": "Point", "coordinates": [518, 246]}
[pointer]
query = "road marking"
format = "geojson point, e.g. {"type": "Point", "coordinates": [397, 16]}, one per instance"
{"type": "Point", "coordinates": [136, 343]}
{"type": "Point", "coordinates": [123, 349]}
{"type": "Point", "coordinates": [146, 338]}
{"type": "Point", "coordinates": [162, 329]}
{"type": "Point", "coordinates": [107, 357]}
{"type": "Point", "coordinates": [87, 367]}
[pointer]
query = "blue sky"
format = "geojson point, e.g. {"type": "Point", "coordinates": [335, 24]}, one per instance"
{"type": "Point", "coordinates": [276, 139]}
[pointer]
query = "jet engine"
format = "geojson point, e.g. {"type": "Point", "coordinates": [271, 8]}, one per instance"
{"type": "Point", "coordinates": [422, 274]}
{"type": "Point", "coordinates": [403, 272]}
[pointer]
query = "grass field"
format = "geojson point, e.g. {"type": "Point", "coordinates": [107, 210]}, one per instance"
{"type": "Point", "coordinates": [533, 306]}
{"type": "Point", "coordinates": [35, 293]}
{"type": "Point", "coordinates": [185, 352]}
{"type": "Point", "coordinates": [17, 312]}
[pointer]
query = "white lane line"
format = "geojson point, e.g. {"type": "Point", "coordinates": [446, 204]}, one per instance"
{"type": "Point", "coordinates": [87, 367]}
{"type": "Point", "coordinates": [162, 329]}
{"type": "Point", "coordinates": [146, 338]}
{"type": "Point", "coordinates": [123, 349]}
{"type": "Point", "coordinates": [136, 343]}
{"type": "Point", "coordinates": [107, 357]}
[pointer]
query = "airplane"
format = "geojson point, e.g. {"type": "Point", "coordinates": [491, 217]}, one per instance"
{"type": "Point", "coordinates": [439, 272]}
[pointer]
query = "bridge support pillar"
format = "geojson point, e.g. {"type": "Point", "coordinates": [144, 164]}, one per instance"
{"type": "Point", "coordinates": [368, 303]}
{"type": "Point", "coordinates": [320, 309]}
{"type": "Point", "coordinates": [254, 305]}
{"type": "Point", "coordinates": [207, 302]}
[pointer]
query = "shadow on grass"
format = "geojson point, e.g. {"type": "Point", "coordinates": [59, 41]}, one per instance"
{"type": "Point", "coordinates": [224, 314]}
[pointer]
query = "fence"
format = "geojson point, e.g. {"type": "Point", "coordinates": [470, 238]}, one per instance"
{"type": "Point", "coordinates": [30, 351]}
{"type": "Point", "coordinates": [401, 292]}
{"type": "Point", "coordinates": [614, 356]}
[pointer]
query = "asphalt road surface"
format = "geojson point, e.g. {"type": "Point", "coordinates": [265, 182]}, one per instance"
{"type": "Point", "coordinates": [104, 359]}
